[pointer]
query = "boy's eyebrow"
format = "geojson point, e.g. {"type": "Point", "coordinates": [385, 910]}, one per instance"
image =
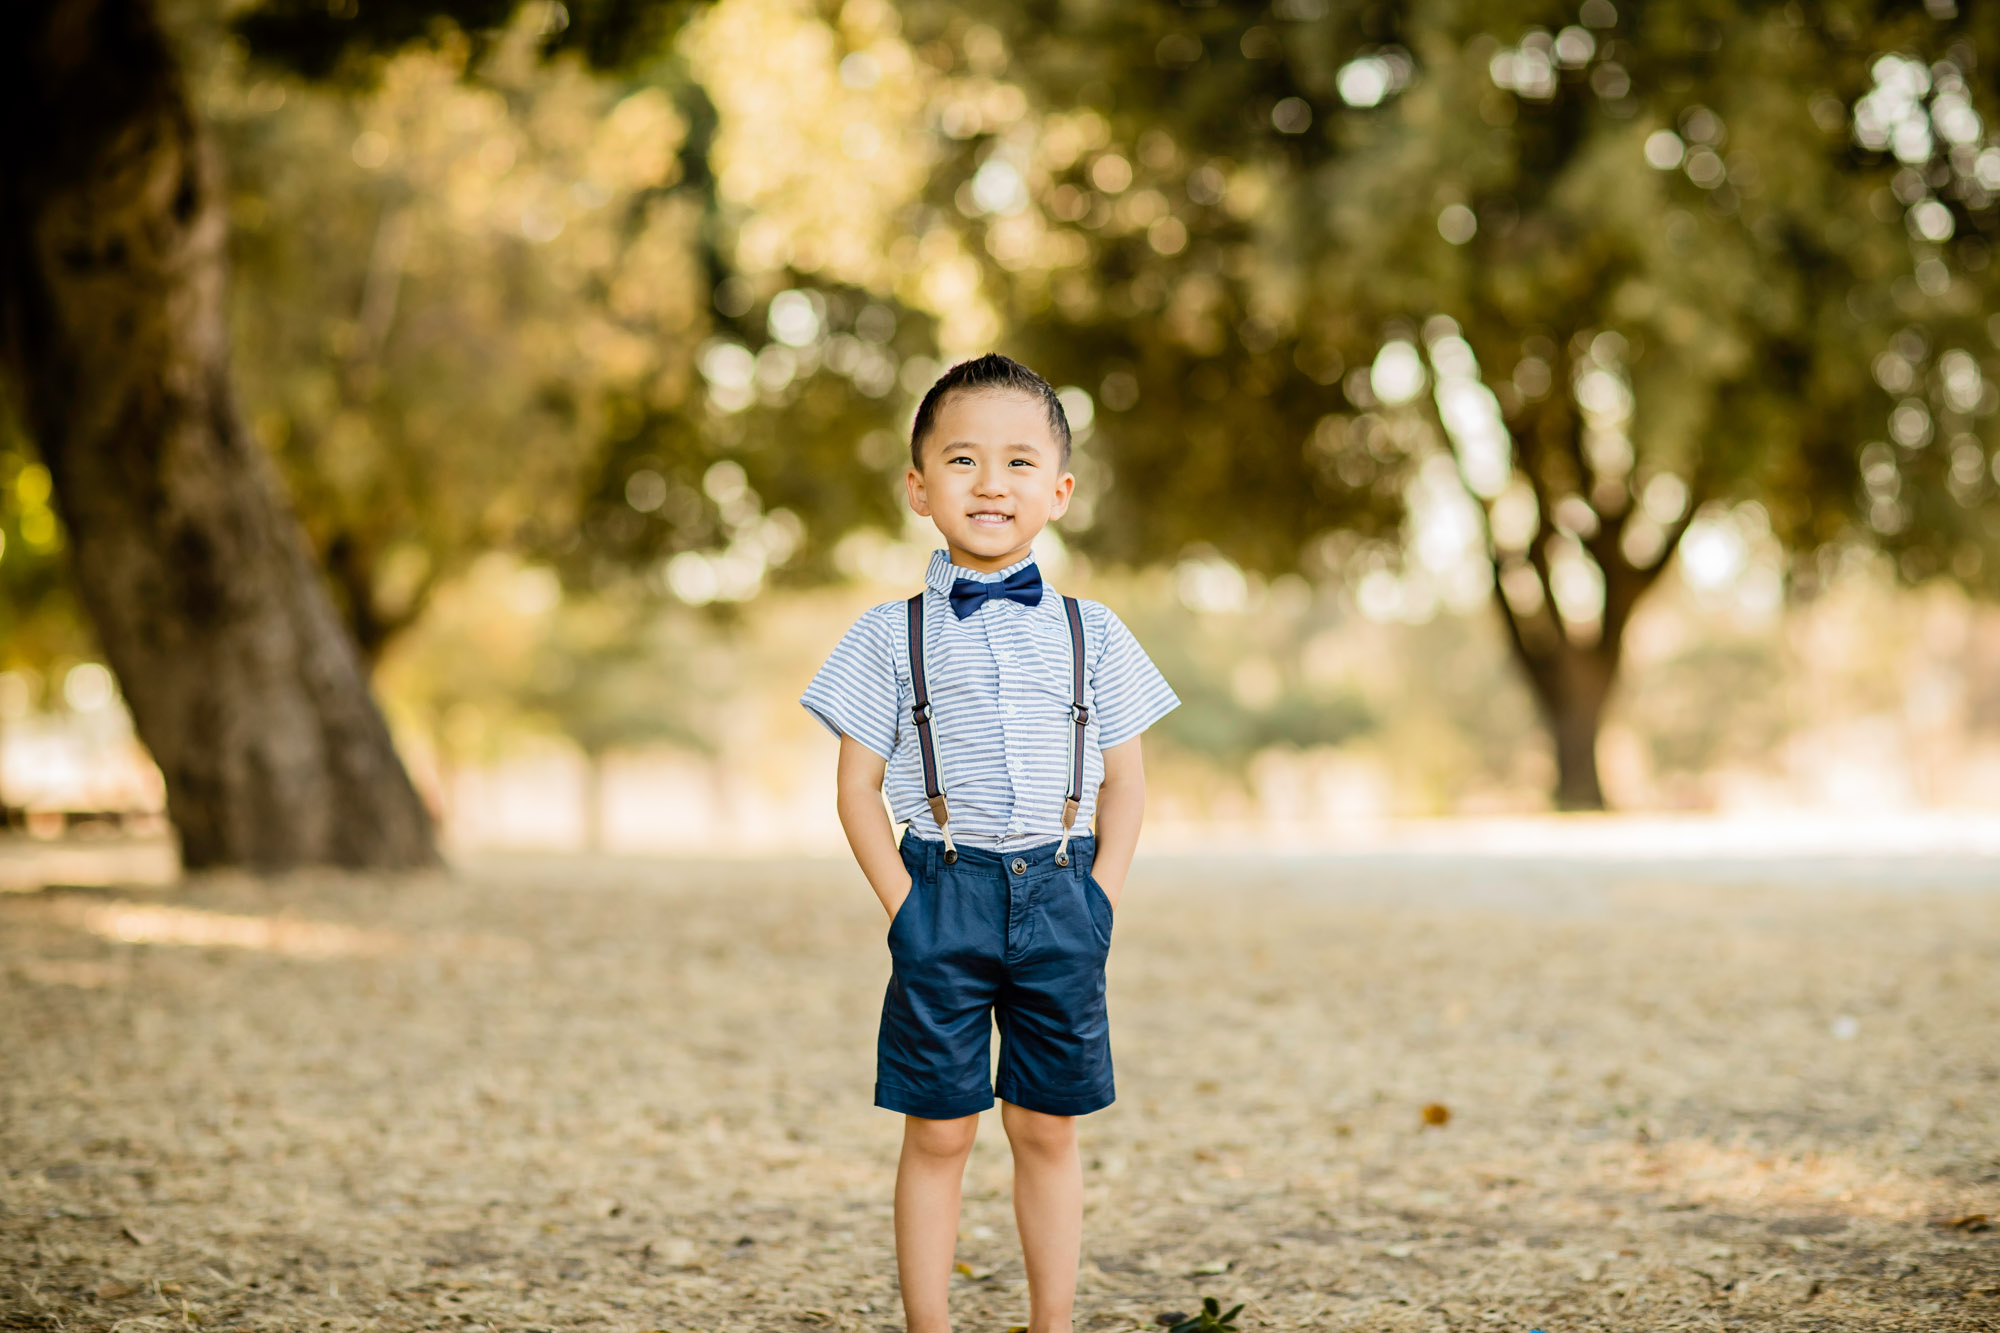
{"type": "Point", "coordinates": [1024, 446]}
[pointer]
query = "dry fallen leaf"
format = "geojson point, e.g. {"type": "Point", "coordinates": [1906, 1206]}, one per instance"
{"type": "Point", "coordinates": [1211, 1268]}
{"type": "Point", "coordinates": [1963, 1222]}
{"type": "Point", "coordinates": [135, 1236]}
{"type": "Point", "coordinates": [976, 1274]}
{"type": "Point", "coordinates": [113, 1290]}
{"type": "Point", "coordinates": [1437, 1114]}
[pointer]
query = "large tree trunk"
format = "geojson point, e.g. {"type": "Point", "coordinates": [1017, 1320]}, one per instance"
{"type": "Point", "coordinates": [1574, 717]}
{"type": "Point", "coordinates": [240, 677]}
{"type": "Point", "coordinates": [1571, 683]}
{"type": "Point", "coordinates": [1572, 664]}
{"type": "Point", "coordinates": [592, 801]}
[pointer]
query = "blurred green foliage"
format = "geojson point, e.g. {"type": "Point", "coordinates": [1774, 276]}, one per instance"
{"type": "Point", "coordinates": [471, 294]}
{"type": "Point", "coordinates": [39, 619]}
{"type": "Point", "coordinates": [442, 284]}
{"type": "Point", "coordinates": [643, 292]}
{"type": "Point", "coordinates": [1612, 266]}
{"type": "Point", "coordinates": [1229, 203]}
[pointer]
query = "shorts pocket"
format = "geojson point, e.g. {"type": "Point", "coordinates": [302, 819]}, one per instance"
{"type": "Point", "coordinates": [1101, 910]}
{"type": "Point", "coordinates": [905, 913]}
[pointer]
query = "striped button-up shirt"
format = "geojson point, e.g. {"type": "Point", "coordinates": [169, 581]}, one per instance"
{"type": "Point", "coordinates": [999, 684]}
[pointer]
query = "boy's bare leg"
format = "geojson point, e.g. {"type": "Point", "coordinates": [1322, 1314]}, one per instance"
{"type": "Point", "coordinates": [929, 1180]}
{"type": "Point", "coordinates": [1048, 1207]}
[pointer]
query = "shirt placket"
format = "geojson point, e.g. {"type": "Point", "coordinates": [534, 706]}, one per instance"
{"type": "Point", "coordinates": [1003, 637]}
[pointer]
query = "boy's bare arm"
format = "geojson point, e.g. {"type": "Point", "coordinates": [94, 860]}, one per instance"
{"type": "Point", "coordinates": [858, 784]}
{"type": "Point", "coordinates": [1121, 808]}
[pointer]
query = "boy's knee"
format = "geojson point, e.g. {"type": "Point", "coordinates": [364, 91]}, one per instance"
{"type": "Point", "coordinates": [1033, 1131]}
{"type": "Point", "coordinates": [940, 1138]}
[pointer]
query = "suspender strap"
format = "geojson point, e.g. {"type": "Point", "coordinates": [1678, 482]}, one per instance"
{"type": "Point", "coordinates": [1079, 717]}
{"type": "Point", "coordinates": [920, 713]}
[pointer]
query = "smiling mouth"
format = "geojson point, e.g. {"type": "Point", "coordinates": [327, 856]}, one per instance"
{"type": "Point", "coordinates": [991, 520]}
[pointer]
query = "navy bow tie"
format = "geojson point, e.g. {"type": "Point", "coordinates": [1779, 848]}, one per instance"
{"type": "Point", "coordinates": [1024, 585]}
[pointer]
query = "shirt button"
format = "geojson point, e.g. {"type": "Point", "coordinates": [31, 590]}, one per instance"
{"type": "Point", "coordinates": [1020, 867]}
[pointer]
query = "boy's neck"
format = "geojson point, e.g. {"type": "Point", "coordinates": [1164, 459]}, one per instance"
{"type": "Point", "coordinates": [988, 564]}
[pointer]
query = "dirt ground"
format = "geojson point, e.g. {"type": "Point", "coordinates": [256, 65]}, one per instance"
{"type": "Point", "coordinates": [549, 1095]}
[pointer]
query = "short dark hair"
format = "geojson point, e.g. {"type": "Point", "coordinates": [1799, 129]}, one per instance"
{"type": "Point", "coordinates": [994, 373]}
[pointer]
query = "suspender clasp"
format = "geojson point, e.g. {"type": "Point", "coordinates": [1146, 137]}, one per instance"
{"type": "Point", "coordinates": [921, 713]}
{"type": "Point", "coordinates": [1079, 715]}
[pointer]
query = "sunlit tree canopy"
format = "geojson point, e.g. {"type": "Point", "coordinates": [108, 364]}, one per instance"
{"type": "Point", "coordinates": [1445, 306]}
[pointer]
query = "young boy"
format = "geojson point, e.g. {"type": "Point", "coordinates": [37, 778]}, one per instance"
{"type": "Point", "coordinates": [1004, 716]}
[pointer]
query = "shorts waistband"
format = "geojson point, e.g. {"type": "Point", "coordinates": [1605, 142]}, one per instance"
{"type": "Point", "coordinates": [927, 855]}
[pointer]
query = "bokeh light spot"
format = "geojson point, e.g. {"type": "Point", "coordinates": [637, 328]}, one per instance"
{"type": "Point", "coordinates": [1663, 150]}
{"type": "Point", "coordinates": [1457, 224]}
{"type": "Point", "coordinates": [1397, 376]}
{"type": "Point", "coordinates": [1363, 82]}
{"type": "Point", "coordinates": [1111, 173]}
{"type": "Point", "coordinates": [793, 319]}
{"type": "Point", "coordinates": [88, 687]}
{"type": "Point", "coordinates": [1292, 116]}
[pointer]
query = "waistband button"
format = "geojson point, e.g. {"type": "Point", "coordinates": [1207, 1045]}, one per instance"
{"type": "Point", "coordinates": [1020, 866]}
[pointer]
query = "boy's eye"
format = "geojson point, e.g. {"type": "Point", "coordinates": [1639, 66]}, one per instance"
{"type": "Point", "coordinates": [1023, 462]}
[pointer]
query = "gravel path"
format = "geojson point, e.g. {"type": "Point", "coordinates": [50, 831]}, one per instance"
{"type": "Point", "coordinates": [554, 1094]}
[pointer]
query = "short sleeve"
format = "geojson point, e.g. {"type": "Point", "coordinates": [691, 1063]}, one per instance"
{"type": "Point", "coordinates": [855, 692]}
{"type": "Point", "coordinates": [1130, 693]}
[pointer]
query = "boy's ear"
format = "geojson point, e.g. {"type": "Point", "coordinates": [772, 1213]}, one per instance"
{"type": "Point", "coordinates": [920, 500]}
{"type": "Point", "coordinates": [1065, 488]}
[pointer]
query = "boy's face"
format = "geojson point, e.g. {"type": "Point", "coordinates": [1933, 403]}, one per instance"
{"type": "Point", "coordinates": [992, 477]}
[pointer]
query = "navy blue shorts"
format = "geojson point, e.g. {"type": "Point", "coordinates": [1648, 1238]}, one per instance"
{"type": "Point", "coordinates": [1006, 936]}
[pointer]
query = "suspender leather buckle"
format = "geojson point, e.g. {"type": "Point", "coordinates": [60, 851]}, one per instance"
{"type": "Point", "coordinates": [1079, 715]}
{"type": "Point", "coordinates": [921, 713]}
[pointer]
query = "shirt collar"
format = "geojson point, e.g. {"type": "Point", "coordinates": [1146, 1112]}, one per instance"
{"type": "Point", "coordinates": [943, 573]}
